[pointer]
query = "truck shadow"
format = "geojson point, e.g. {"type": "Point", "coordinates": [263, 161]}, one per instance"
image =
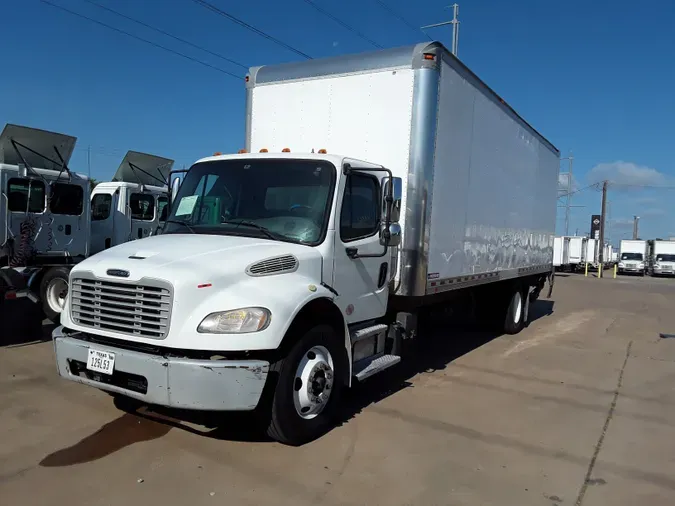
{"type": "Point", "coordinates": [21, 324]}
{"type": "Point", "coordinates": [428, 353]}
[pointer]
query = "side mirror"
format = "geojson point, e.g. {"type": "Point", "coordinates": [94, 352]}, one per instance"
{"type": "Point", "coordinates": [175, 186]}
{"type": "Point", "coordinates": [397, 195]}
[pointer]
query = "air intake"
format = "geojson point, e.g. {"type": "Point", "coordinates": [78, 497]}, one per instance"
{"type": "Point", "coordinates": [275, 265]}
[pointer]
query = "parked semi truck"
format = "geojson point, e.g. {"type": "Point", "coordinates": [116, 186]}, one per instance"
{"type": "Point", "coordinates": [374, 189]}
{"type": "Point", "coordinates": [661, 258]}
{"type": "Point", "coordinates": [46, 219]}
{"type": "Point", "coordinates": [632, 256]}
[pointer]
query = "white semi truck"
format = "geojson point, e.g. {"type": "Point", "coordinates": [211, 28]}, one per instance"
{"type": "Point", "coordinates": [632, 257]}
{"type": "Point", "coordinates": [49, 220]}
{"type": "Point", "coordinates": [374, 187]}
{"type": "Point", "coordinates": [662, 258]}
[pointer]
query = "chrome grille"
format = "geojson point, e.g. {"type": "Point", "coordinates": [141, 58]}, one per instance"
{"type": "Point", "coordinates": [276, 265]}
{"type": "Point", "coordinates": [139, 310]}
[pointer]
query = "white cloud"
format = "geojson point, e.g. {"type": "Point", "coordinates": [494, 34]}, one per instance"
{"type": "Point", "coordinates": [335, 43]}
{"type": "Point", "coordinates": [653, 212]}
{"type": "Point", "coordinates": [623, 222]}
{"type": "Point", "coordinates": [563, 182]}
{"type": "Point", "coordinates": [626, 173]}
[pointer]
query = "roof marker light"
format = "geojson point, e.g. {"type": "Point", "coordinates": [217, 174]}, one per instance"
{"type": "Point", "coordinates": [429, 56]}
{"type": "Point", "coordinates": [322, 151]}
{"type": "Point", "coordinates": [286, 150]}
{"type": "Point", "coordinates": [217, 153]}
{"type": "Point", "coordinates": [263, 150]}
{"type": "Point", "coordinates": [241, 151]}
{"type": "Point", "coordinates": [205, 285]}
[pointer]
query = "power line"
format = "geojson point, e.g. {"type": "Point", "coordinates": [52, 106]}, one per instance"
{"type": "Point", "coordinates": [650, 186]}
{"type": "Point", "coordinates": [159, 46]}
{"type": "Point", "coordinates": [158, 30]}
{"type": "Point", "coordinates": [216, 10]}
{"type": "Point", "coordinates": [342, 23]}
{"type": "Point", "coordinates": [401, 18]}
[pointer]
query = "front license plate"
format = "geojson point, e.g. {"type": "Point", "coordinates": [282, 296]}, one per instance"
{"type": "Point", "coordinates": [101, 361]}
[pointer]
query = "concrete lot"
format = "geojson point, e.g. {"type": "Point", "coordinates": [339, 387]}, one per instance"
{"type": "Point", "coordinates": [577, 409]}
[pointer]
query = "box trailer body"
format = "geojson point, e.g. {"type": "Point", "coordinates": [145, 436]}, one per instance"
{"type": "Point", "coordinates": [577, 251]}
{"type": "Point", "coordinates": [632, 256]}
{"type": "Point", "coordinates": [561, 252]}
{"type": "Point", "coordinates": [477, 179]}
{"type": "Point", "coordinates": [375, 188]}
{"type": "Point", "coordinates": [662, 258]}
{"type": "Point", "coordinates": [591, 255]}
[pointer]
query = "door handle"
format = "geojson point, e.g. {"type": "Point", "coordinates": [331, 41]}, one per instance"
{"type": "Point", "coordinates": [382, 278]}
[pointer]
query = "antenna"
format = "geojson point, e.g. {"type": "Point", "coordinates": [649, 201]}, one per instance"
{"type": "Point", "coordinates": [455, 27]}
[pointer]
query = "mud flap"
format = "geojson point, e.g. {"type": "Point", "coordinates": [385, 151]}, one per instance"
{"type": "Point", "coordinates": [551, 282]}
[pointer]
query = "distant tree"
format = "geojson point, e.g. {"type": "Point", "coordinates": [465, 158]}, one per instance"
{"type": "Point", "coordinates": [658, 239]}
{"type": "Point", "coordinates": [92, 183]}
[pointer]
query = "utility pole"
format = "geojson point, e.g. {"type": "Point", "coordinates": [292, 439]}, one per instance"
{"type": "Point", "coordinates": [601, 245]}
{"type": "Point", "coordinates": [455, 27]}
{"type": "Point", "coordinates": [89, 161]}
{"type": "Point", "coordinates": [568, 199]}
{"type": "Point", "coordinates": [636, 220]}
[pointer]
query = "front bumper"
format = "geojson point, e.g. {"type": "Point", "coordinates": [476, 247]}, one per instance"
{"type": "Point", "coordinates": [664, 272]}
{"type": "Point", "coordinates": [210, 385]}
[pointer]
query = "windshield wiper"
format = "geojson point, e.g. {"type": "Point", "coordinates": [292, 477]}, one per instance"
{"type": "Point", "coordinates": [178, 222]}
{"type": "Point", "coordinates": [272, 235]}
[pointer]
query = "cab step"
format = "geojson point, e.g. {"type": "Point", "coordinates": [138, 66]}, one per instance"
{"type": "Point", "coordinates": [366, 332]}
{"type": "Point", "coordinates": [366, 367]}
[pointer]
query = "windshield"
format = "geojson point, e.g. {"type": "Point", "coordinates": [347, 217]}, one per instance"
{"type": "Point", "coordinates": [287, 200]}
{"type": "Point", "coordinates": [665, 258]}
{"type": "Point", "coordinates": [631, 256]}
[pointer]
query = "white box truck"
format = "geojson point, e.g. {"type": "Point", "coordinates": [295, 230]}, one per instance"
{"type": "Point", "coordinates": [632, 257]}
{"type": "Point", "coordinates": [577, 252]}
{"type": "Point", "coordinates": [591, 254]}
{"type": "Point", "coordinates": [374, 187]}
{"type": "Point", "coordinates": [561, 253]}
{"type": "Point", "coordinates": [662, 258]}
{"type": "Point", "coordinates": [49, 219]}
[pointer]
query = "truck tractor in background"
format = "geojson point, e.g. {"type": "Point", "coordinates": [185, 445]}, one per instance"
{"type": "Point", "coordinates": [46, 219]}
{"type": "Point", "coordinates": [374, 190]}
{"type": "Point", "coordinates": [632, 257]}
{"type": "Point", "coordinates": [661, 258]}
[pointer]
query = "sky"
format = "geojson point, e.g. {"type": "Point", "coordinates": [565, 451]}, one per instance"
{"type": "Point", "coordinates": [596, 77]}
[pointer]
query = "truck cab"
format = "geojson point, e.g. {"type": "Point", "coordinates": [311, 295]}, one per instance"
{"type": "Point", "coordinates": [632, 257]}
{"type": "Point", "coordinates": [133, 205]}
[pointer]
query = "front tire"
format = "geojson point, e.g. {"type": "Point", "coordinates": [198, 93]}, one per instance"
{"type": "Point", "coordinates": [53, 292]}
{"type": "Point", "coordinates": [309, 387]}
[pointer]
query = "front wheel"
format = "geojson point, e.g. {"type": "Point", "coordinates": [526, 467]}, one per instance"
{"type": "Point", "coordinates": [309, 386]}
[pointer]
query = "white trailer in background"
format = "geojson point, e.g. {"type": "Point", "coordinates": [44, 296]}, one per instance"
{"type": "Point", "coordinates": [376, 188]}
{"type": "Point", "coordinates": [591, 254]}
{"type": "Point", "coordinates": [662, 258]}
{"type": "Point", "coordinates": [577, 252]}
{"type": "Point", "coordinates": [633, 256]}
{"type": "Point", "coordinates": [561, 253]}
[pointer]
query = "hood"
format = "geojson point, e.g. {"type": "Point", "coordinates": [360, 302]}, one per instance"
{"type": "Point", "coordinates": [193, 257]}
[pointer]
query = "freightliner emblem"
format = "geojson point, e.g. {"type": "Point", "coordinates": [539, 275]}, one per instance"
{"type": "Point", "coordinates": [118, 273]}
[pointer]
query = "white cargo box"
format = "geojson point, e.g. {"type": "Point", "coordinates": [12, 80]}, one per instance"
{"type": "Point", "coordinates": [480, 184]}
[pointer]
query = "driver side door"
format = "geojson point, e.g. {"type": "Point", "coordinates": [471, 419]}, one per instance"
{"type": "Point", "coordinates": [361, 282]}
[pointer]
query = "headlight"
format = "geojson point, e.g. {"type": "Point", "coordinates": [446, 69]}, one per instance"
{"type": "Point", "coordinates": [237, 321]}
{"type": "Point", "coordinates": [621, 264]}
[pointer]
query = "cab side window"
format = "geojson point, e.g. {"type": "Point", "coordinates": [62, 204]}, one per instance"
{"type": "Point", "coordinates": [66, 199]}
{"type": "Point", "coordinates": [101, 205]}
{"type": "Point", "coordinates": [360, 214]}
{"type": "Point", "coordinates": [142, 206]}
{"type": "Point", "coordinates": [18, 193]}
